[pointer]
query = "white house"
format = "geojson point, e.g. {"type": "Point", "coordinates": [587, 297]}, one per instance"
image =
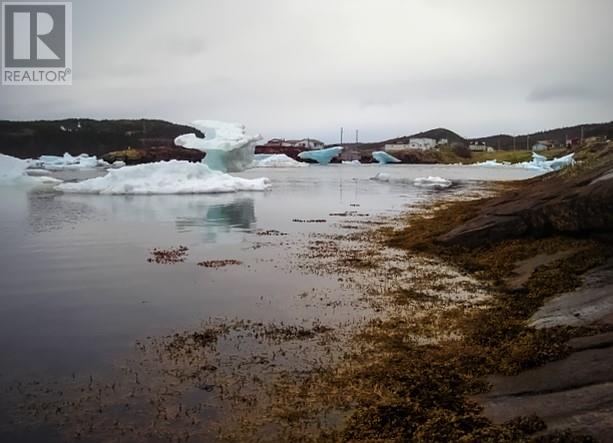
{"type": "Point", "coordinates": [480, 147]}
{"type": "Point", "coordinates": [423, 144]}
{"type": "Point", "coordinates": [542, 145]}
{"type": "Point", "coordinates": [306, 143]}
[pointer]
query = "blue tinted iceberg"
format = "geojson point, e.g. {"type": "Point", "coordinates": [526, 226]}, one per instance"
{"type": "Point", "coordinates": [560, 163]}
{"type": "Point", "coordinates": [227, 147]}
{"type": "Point", "coordinates": [384, 158]}
{"type": "Point", "coordinates": [321, 156]}
{"type": "Point", "coordinates": [171, 177]}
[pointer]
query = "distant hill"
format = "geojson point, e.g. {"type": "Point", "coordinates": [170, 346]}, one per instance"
{"type": "Point", "coordinates": [27, 139]}
{"type": "Point", "coordinates": [97, 137]}
{"type": "Point", "coordinates": [501, 141]}
{"type": "Point", "coordinates": [559, 136]}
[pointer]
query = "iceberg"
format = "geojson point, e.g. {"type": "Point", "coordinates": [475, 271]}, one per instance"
{"type": "Point", "coordinates": [432, 182]}
{"type": "Point", "coordinates": [563, 162]}
{"type": "Point", "coordinates": [166, 177]}
{"type": "Point", "coordinates": [538, 163]}
{"type": "Point", "coordinates": [227, 147]}
{"type": "Point", "coordinates": [321, 156]}
{"type": "Point", "coordinates": [67, 161]}
{"type": "Point", "coordinates": [384, 158]}
{"type": "Point", "coordinates": [276, 161]}
{"type": "Point", "coordinates": [14, 171]}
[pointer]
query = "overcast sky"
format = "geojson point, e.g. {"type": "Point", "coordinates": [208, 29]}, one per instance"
{"type": "Point", "coordinates": [298, 68]}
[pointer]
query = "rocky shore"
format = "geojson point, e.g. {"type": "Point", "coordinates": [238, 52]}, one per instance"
{"type": "Point", "coordinates": [528, 361]}
{"type": "Point", "coordinates": [572, 393]}
{"type": "Point", "coordinates": [574, 202]}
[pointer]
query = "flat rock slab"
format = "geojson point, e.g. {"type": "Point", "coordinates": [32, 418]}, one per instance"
{"type": "Point", "coordinates": [575, 393]}
{"type": "Point", "coordinates": [592, 303]}
{"type": "Point", "coordinates": [524, 269]}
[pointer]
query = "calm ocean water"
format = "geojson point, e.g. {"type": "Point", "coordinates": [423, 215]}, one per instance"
{"type": "Point", "coordinates": [76, 290]}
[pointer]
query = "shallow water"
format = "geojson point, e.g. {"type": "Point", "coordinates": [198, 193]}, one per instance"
{"type": "Point", "coordinates": [76, 290]}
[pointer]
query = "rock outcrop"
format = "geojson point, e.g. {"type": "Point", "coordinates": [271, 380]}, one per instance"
{"type": "Point", "coordinates": [573, 201]}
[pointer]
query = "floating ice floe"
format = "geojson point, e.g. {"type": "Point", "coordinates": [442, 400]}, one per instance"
{"type": "Point", "coordinates": [384, 158]}
{"type": "Point", "coordinates": [67, 161]}
{"type": "Point", "coordinates": [421, 182]}
{"type": "Point", "coordinates": [382, 177]}
{"type": "Point", "coordinates": [14, 171]}
{"type": "Point", "coordinates": [321, 156]}
{"type": "Point", "coordinates": [227, 147]}
{"type": "Point", "coordinates": [538, 163]}
{"type": "Point", "coordinates": [171, 177]}
{"type": "Point", "coordinates": [432, 182]}
{"type": "Point", "coordinates": [351, 162]}
{"type": "Point", "coordinates": [276, 161]}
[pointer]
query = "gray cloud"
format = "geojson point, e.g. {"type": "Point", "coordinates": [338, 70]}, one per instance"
{"type": "Point", "coordinates": [562, 92]}
{"type": "Point", "coordinates": [294, 68]}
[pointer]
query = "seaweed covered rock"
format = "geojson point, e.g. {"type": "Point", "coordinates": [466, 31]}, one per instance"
{"type": "Point", "coordinates": [133, 156]}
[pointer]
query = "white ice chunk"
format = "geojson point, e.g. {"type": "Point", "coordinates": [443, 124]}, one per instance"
{"type": "Point", "coordinates": [67, 161]}
{"type": "Point", "coordinates": [382, 177]}
{"type": "Point", "coordinates": [227, 147]}
{"type": "Point", "coordinates": [276, 161]}
{"type": "Point", "coordinates": [384, 158]}
{"type": "Point", "coordinates": [421, 182]}
{"type": "Point", "coordinates": [492, 164]}
{"type": "Point", "coordinates": [13, 171]}
{"type": "Point", "coordinates": [432, 182]}
{"type": "Point", "coordinates": [321, 156]}
{"type": "Point", "coordinates": [171, 177]}
{"type": "Point", "coordinates": [351, 162]}
{"type": "Point", "coordinates": [538, 163]}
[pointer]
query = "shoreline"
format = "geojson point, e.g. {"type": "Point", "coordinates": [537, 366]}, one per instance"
{"type": "Point", "coordinates": [459, 328]}
{"type": "Point", "coordinates": [527, 270]}
{"type": "Point", "coordinates": [443, 318]}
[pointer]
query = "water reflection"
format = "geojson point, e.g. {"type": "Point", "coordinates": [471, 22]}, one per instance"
{"type": "Point", "coordinates": [47, 212]}
{"type": "Point", "coordinates": [238, 214]}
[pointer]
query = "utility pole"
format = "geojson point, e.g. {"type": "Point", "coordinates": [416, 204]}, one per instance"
{"type": "Point", "coordinates": [357, 132]}
{"type": "Point", "coordinates": [527, 142]}
{"type": "Point", "coordinates": [341, 135]}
